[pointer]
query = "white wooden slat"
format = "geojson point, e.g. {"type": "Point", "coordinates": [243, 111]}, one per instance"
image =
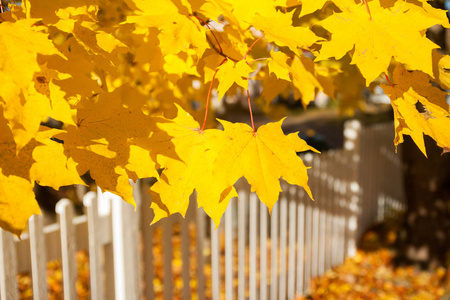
{"type": "Point", "coordinates": [134, 238]}
{"type": "Point", "coordinates": [95, 253]}
{"type": "Point", "coordinates": [293, 190]}
{"type": "Point", "coordinates": [300, 242]}
{"type": "Point", "coordinates": [8, 267]}
{"type": "Point", "coordinates": [167, 232]}
{"type": "Point", "coordinates": [283, 240]}
{"type": "Point", "coordinates": [185, 248]}
{"type": "Point", "coordinates": [229, 291]}
{"type": "Point", "coordinates": [352, 134]}
{"type": "Point", "coordinates": [242, 216]}
{"type": "Point", "coordinates": [38, 257]}
{"type": "Point", "coordinates": [348, 174]}
{"type": "Point", "coordinates": [329, 206]}
{"type": "Point", "coordinates": [215, 266]}
{"type": "Point", "coordinates": [317, 189]}
{"type": "Point", "coordinates": [64, 208]}
{"type": "Point", "coordinates": [263, 251]}
{"type": "Point", "coordinates": [308, 246]}
{"type": "Point", "coordinates": [53, 242]}
{"type": "Point", "coordinates": [147, 216]}
{"type": "Point", "coordinates": [199, 241]}
{"type": "Point", "coordinates": [110, 292]}
{"type": "Point", "coordinates": [308, 158]}
{"type": "Point", "coordinates": [253, 223]}
{"type": "Point", "coordinates": [315, 243]}
{"type": "Point", "coordinates": [124, 224]}
{"type": "Point", "coordinates": [336, 215]}
{"type": "Point", "coordinates": [322, 204]}
{"type": "Point", "coordinates": [274, 253]}
{"type": "Point", "coordinates": [339, 186]}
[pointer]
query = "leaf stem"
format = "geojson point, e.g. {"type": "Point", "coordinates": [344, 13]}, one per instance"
{"type": "Point", "coordinates": [259, 59]}
{"type": "Point", "coordinates": [367, 7]}
{"type": "Point", "coordinates": [215, 37]}
{"type": "Point", "coordinates": [387, 78]}
{"type": "Point", "coordinates": [209, 94]}
{"type": "Point", "coordinates": [252, 46]}
{"type": "Point", "coordinates": [250, 109]}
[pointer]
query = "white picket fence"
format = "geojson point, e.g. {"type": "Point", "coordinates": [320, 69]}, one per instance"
{"type": "Point", "coordinates": [270, 257]}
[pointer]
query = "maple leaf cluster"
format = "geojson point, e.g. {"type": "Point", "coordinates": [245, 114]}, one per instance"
{"type": "Point", "coordinates": [120, 78]}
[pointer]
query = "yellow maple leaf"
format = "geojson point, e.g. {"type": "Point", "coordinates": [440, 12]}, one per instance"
{"type": "Point", "coordinates": [395, 32]}
{"type": "Point", "coordinates": [262, 157]}
{"type": "Point", "coordinates": [242, 13]}
{"type": "Point", "coordinates": [441, 64]}
{"type": "Point", "coordinates": [419, 108]}
{"type": "Point", "coordinates": [278, 28]}
{"type": "Point", "coordinates": [20, 44]}
{"type": "Point", "coordinates": [272, 87]}
{"type": "Point", "coordinates": [24, 107]}
{"type": "Point", "coordinates": [179, 29]}
{"type": "Point", "coordinates": [53, 168]}
{"type": "Point", "coordinates": [278, 65]}
{"type": "Point", "coordinates": [309, 7]}
{"type": "Point", "coordinates": [18, 202]}
{"type": "Point", "coordinates": [140, 163]}
{"type": "Point", "coordinates": [230, 73]}
{"type": "Point", "coordinates": [100, 140]}
{"type": "Point", "coordinates": [304, 79]}
{"type": "Point", "coordinates": [423, 7]}
{"type": "Point", "coordinates": [187, 156]}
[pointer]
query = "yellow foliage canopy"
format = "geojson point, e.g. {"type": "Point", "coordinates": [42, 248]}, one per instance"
{"type": "Point", "coordinates": [129, 81]}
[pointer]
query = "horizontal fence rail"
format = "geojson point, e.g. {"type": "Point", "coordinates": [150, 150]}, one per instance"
{"type": "Point", "coordinates": [251, 255]}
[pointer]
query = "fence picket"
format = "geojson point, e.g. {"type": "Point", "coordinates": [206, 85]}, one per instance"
{"type": "Point", "coordinates": [242, 216]}
{"type": "Point", "coordinates": [8, 266]}
{"type": "Point", "coordinates": [292, 190]}
{"type": "Point", "coordinates": [322, 205]}
{"type": "Point", "coordinates": [64, 208]}
{"type": "Point", "coordinates": [274, 253]}
{"type": "Point", "coordinates": [308, 246]}
{"type": "Point", "coordinates": [329, 207]}
{"type": "Point", "coordinates": [167, 231]}
{"type": "Point", "coordinates": [263, 251]}
{"type": "Point", "coordinates": [200, 237]}
{"type": "Point", "coordinates": [352, 133]}
{"type": "Point", "coordinates": [147, 240]}
{"type": "Point", "coordinates": [317, 190]}
{"type": "Point", "coordinates": [283, 240]}
{"type": "Point", "coordinates": [253, 220]}
{"type": "Point", "coordinates": [215, 266]}
{"type": "Point", "coordinates": [38, 257]}
{"type": "Point", "coordinates": [185, 248]}
{"type": "Point", "coordinates": [300, 241]}
{"type": "Point", "coordinates": [95, 259]}
{"type": "Point", "coordinates": [124, 223]}
{"type": "Point", "coordinates": [229, 291]}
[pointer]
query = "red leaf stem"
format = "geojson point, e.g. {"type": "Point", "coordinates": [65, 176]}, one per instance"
{"type": "Point", "coordinates": [387, 78]}
{"type": "Point", "coordinates": [252, 46]}
{"type": "Point", "coordinates": [207, 25]}
{"type": "Point", "coordinates": [367, 7]}
{"type": "Point", "coordinates": [209, 94]}
{"type": "Point", "coordinates": [250, 109]}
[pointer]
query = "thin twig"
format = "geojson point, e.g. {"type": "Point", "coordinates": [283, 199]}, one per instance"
{"type": "Point", "coordinates": [209, 94]}
{"type": "Point", "coordinates": [250, 109]}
